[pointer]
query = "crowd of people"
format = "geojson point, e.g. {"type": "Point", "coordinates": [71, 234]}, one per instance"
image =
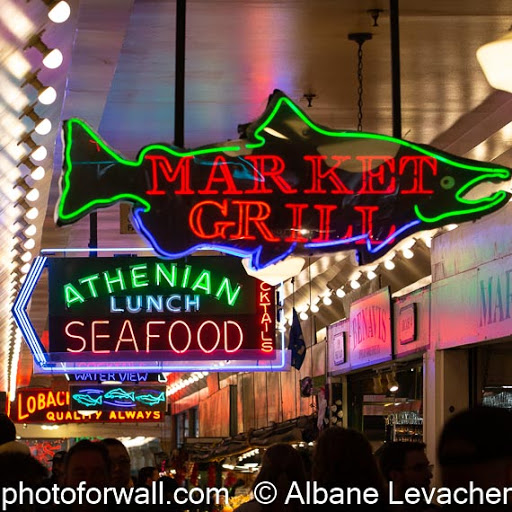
{"type": "Point", "coordinates": [474, 449]}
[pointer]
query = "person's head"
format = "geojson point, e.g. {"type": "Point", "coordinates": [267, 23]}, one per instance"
{"type": "Point", "coordinates": [119, 461]}
{"type": "Point", "coordinates": [7, 429]}
{"type": "Point", "coordinates": [406, 465]}
{"type": "Point", "coordinates": [16, 467]}
{"type": "Point", "coordinates": [344, 458]}
{"type": "Point", "coordinates": [281, 465]}
{"type": "Point", "coordinates": [148, 475]}
{"type": "Point", "coordinates": [58, 465]}
{"type": "Point", "coordinates": [87, 461]}
{"type": "Point", "coordinates": [475, 445]}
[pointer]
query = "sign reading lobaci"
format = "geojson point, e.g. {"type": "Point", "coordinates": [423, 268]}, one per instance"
{"type": "Point", "coordinates": [287, 186]}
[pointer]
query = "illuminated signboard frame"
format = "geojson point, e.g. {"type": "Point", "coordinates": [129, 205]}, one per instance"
{"type": "Point", "coordinates": [44, 405]}
{"type": "Point", "coordinates": [117, 398]}
{"type": "Point", "coordinates": [45, 365]}
{"type": "Point", "coordinates": [290, 186]}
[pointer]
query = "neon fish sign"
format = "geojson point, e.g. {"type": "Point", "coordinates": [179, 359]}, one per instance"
{"type": "Point", "coordinates": [289, 186]}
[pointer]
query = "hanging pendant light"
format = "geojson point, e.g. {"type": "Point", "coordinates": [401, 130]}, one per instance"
{"type": "Point", "coordinates": [495, 59]}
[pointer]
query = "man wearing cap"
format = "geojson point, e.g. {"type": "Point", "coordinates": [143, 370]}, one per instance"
{"type": "Point", "coordinates": [476, 446]}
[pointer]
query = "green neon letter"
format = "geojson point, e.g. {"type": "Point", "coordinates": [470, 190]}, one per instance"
{"type": "Point", "coordinates": [139, 280]}
{"type": "Point", "coordinates": [109, 281]}
{"type": "Point", "coordinates": [71, 295]}
{"type": "Point", "coordinates": [89, 280]}
{"type": "Point", "coordinates": [186, 276]}
{"type": "Point", "coordinates": [203, 282]}
{"type": "Point", "coordinates": [225, 287]}
{"type": "Point", "coordinates": [169, 276]}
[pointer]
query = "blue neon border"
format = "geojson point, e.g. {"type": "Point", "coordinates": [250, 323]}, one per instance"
{"type": "Point", "coordinates": [41, 356]}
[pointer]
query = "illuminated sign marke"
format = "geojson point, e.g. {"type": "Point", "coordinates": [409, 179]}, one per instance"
{"type": "Point", "coordinates": [146, 309]}
{"type": "Point", "coordinates": [287, 186]}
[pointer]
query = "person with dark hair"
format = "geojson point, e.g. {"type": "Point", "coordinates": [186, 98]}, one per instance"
{"type": "Point", "coordinates": [281, 466]}
{"type": "Point", "coordinates": [16, 467]}
{"type": "Point", "coordinates": [119, 461]}
{"type": "Point", "coordinates": [343, 459]}
{"type": "Point", "coordinates": [88, 462]}
{"type": "Point", "coordinates": [8, 441]}
{"type": "Point", "coordinates": [405, 465]}
{"type": "Point", "coordinates": [476, 446]}
{"type": "Point", "coordinates": [147, 476]}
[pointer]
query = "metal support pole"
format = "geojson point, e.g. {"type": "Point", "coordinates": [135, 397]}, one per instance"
{"type": "Point", "coordinates": [395, 69]}
{"type": "Point", "coordinates": [179, 88]}
{"type": "Point", "coordinates": [93, 234]}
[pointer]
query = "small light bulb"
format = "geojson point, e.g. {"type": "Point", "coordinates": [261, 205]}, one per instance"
{"type": "Point", "coordinates": [60, 13]}
{"type": "Point", "coordinates": [31, 230]}
{"type": "Point", "coordinates": [340, 292]}
{"type": "Point", "coordinates": [29, 244]}
{"type": "Point", "coordinates": [26, 257]}
{"type": "Point", "coordinates": [32, 195]}
{"type": "Point", "coordinates": [389, 264]}
{"type": "Point", "coordinates": [38, 173]}
{"type": "Point", "coordinates": [371, 275]}
{"type": "Point", "coordinates": [32, 213]}
{"type": "Point", "coordinates": [303, 315]}
{"type": "Point", "coordinates": [408, 254]}
{"type": "Point", "coordinates": [47, 96]}
{"type": "Point", "coordinates": [54, 59]}
{"type": "Point", "coordinates": [40, 153]}
{"type": "Point", "coordinates": [315, 308]}
{"type": "Point", "coordinates": [43, 127]}
{"type": "Point", "coordinates": [327, 301]}
{"type": "Point", "coordinates": [355, 284]}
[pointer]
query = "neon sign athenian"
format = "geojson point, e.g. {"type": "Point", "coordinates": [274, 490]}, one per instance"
{"type": "Point", "coordinates": [289, 186]}
{"type": "Point", "coordinates": [144, 309]}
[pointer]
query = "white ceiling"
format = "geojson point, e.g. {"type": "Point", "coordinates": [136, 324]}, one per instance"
{"type": "Point", "coordinates": [118, 75]}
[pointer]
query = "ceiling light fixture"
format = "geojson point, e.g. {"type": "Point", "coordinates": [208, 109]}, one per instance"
{"type": "Point", "coordinates": [495, 59]}
{"type": "Point", "coordinates": [43, 126]}
{"type": "Point", "coordinates": [303, 315]}
{"type": "Point", "coordinates": [46, 94]}
{"type": "Point", "coordinates": [371, 274]}
{"type": "Point", "coordinates": [52, 57]}
{"type": "Point", "coordinates": [340, 292]}
{"type": "Point", "coordinates": [327, 300]}
{"type": "Point", "coordinates": [392, 382]}
{"type": "Point", "coordinates": [355, 284]}
{"type": "Point", "coordinates": [314, 308]}
{"type": "Point", "coordinates": [31, 212]}
{"type": "Point", "coordinates": [59, 10]}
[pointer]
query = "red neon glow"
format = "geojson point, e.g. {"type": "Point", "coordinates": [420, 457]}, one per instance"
{"type": "Point", "coordinates": [257, 218]}
{"type": "Point", "coordinates": [176, 336]}
{"type": "Point", "coordinates": [317, 175]}
{"type": "Point", "coordinates": [266, 323]}
{"type": "Point", "coordinates": [324, 223]}
{"type": "Point", "coordinates": [261, 172]}
{"type": "Point", "coordinates": [225, 177]}
{"type": "Point", "coordinates": [195, 220]}
{"type": "Point", "coordinates": [161, 163]}
{"type": "Point", "coordinates": [418, 172]}
{"type": "Point", "coordinates": [296, 228]}
{"type": "Point", "coordinates": [380, 180]}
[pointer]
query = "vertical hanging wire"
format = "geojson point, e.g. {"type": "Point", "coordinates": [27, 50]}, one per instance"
{"type": "Point", "coordinates": [360, 38]}
{"type": "Point", "coordinates": [360, 87]}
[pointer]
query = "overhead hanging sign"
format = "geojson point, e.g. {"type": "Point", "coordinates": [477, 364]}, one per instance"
{"type": "Point", "coordinates": [146, 309]}
{"type": "Point", "coordinates": [287, 186]}
{"type": "Point", "coordinates": [41, 405]}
